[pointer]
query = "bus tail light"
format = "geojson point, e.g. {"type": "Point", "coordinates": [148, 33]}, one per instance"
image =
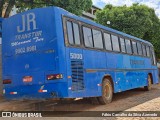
{"type": "Point", "coordinates": [42, 91]}
{"type": "Point", "coordinates": [54, 76]}
{"type": "Point", "coordinates": [13, 93]}
{"type": "Point", "coordinates": [7, 81]}
{"type": "Point", "coordinates": [27, 79]}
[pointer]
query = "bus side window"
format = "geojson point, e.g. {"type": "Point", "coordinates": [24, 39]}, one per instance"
{"type": "Point", "coordinates": [147, 49]}
{"type": "Point", "coordinates": [115, 43]}
{"type": "Point", "coordinates": [153, 56]}
{"type": "Point", "coordinates": [87, 35]}
{"type": "Point", "coordinates": [97, 37]}
{"type": "Point", "coordinates": [107, 41]}
{"type": "Point", "coordinates": [144, 50]}
{"type": "Point", "coordinates": [128, 46]}
{"type": "Point", "coordinates": [76, 33]}
{"type": "Point", "coordinates": [70, 32]}
{"type": "Point", "coordinates": [139, 45]}
{"type": "Point", "coordinates": [134, 45]}
{"type": "Point", "coordinates": [122, 44]}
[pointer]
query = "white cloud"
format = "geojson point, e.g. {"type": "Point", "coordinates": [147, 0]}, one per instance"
{"type": "Point", "coordinates": [151, 3]}
{"type": "Point", "coordinates": [113, 2]}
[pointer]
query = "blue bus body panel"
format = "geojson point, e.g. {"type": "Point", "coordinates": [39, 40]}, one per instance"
{"type": "Point", "coordinates": [1, 19]}
{"type": "Point", "coordinates": [50, 55]}
{"type": "Point", "coordinates": [33, 48]}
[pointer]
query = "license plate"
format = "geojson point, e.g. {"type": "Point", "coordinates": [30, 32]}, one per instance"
{"type": "Point", "coordinates": [27, 79]}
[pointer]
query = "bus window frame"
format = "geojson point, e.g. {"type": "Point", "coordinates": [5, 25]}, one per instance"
{"type": "Point", "coordinates": [145, 50]}
{"type": "Point", "coordinates": [141, 48]}
{"type": "Point", "coordinates": [95, 28]}
{"type": "Point", "coordinates": [101, 37]}
{"type": "Point", "coordinates": [82, 45]}
{"type": "Point", "coordinates": [66, 32]}
{"type": "Point", "coordinates": [149, 51]}
{"type": "Point", "coordinates": [129, 39]}
{"type": "Point", "coordinates": [107, 32]}
{"type": "Point", "coordinates": [83, 36]}
{"type": "Point", "coordinates": [121, 37]}
{"type": "Point", "coordinates": [118, 42]}
{"type": "Point", "coordinates": [136, 54]}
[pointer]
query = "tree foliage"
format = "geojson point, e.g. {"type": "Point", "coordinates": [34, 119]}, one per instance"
{"type": "Point", "coordinates": [73, 6]}
{"type": "Point", "coordinates": [137, 20]}
{"type": "Point", "coordinates": [6, 7]}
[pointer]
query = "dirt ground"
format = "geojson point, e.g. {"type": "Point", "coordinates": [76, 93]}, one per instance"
{"type": "Point", "coordinates": [132, 100]}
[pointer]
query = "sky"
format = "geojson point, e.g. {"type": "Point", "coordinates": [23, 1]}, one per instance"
{"type": "Point", "coordinates": [151, 3]}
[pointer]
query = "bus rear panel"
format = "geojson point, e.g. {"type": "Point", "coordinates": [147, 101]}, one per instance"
{"type": "Point", "coordinates": [30, 56]}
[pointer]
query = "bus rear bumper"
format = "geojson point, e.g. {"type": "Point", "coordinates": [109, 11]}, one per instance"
{"type": "Point", "coordinates": [36, 92]}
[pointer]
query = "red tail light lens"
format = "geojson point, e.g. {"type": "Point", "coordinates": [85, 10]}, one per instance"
{"type": "Point", "coordinates": [27, 79]}
{"type": "Point", "coordinates": [54, 76]}
{"type": "Point", "coordinates": [7, 81]}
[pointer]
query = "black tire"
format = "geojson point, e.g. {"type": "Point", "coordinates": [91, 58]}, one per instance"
{"type": "Point", "coordinates": [107, 92]}
{"type": "Point", "coordinates": [149, 84]}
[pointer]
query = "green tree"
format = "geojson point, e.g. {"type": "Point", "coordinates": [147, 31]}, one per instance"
{"type": "Point", "coordinates": [137, 20]}
{"type": "Point", "coordinates": [73, 6]}
{"type": "Point", "coordinates": [6, 7]}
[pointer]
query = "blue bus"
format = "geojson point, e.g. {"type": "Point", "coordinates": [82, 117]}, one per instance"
{"type": "Point", "coordinates": [51, 53]}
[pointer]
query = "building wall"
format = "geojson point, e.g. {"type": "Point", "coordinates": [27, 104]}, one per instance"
{"type": "Point", "coordinates": [90, 14]}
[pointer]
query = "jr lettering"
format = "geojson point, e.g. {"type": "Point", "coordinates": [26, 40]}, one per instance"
{"type": "Point", "coordinates": [27, 20]}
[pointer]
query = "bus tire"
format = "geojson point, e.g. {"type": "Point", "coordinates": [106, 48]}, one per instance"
{"type": "Point", "coordinates": [149, 83]}
{"type": "Point", "coordinates": [107, 92]}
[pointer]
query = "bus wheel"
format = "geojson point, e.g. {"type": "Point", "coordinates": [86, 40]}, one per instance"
{"type": "Point", "coordinates": [107, 92]}
{"type": "Point", "coordinates": [149, 86]}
